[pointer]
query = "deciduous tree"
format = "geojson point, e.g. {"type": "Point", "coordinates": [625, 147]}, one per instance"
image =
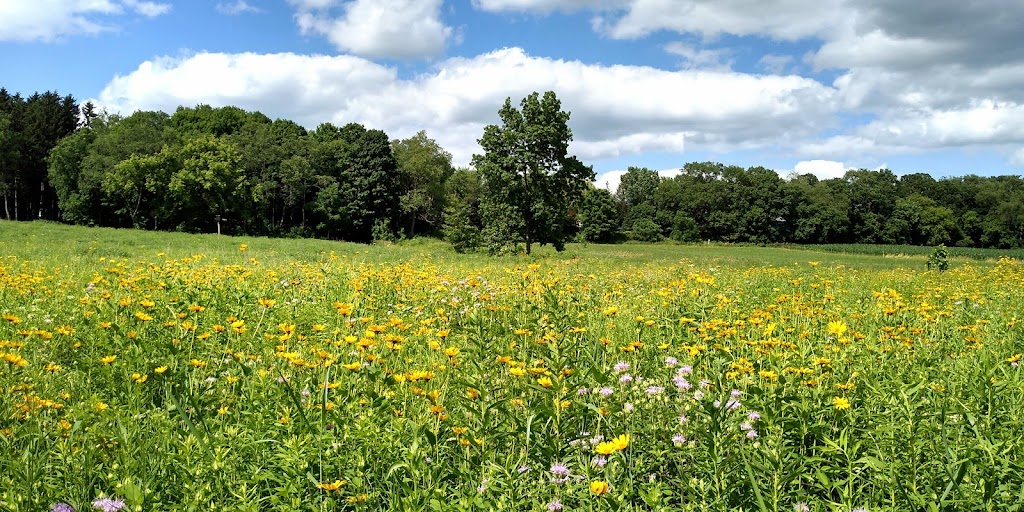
{"type": "Point", "coordinates": [529, 179]}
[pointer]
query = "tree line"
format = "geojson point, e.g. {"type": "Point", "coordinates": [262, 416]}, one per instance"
{"type": "Point", "coordinates": [712, 201]}
{"type": "Point", "coordinates": [186, 170]}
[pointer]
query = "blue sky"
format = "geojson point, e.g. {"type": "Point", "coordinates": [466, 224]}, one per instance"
{"type": "Point", "coordinates": [814, 86]}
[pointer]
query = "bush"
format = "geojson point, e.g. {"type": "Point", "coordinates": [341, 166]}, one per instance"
{"type": "Point", "coordinates": [646, 230]}
{"type": "Point", "coordinates": [459, 229]}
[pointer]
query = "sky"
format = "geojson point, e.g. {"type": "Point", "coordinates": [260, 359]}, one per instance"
{"type": "Point", "coordinates": [806, 86]}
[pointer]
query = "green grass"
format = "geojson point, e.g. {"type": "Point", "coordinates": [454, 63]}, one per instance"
{"type": "Point", "coordinates": [198, 372]}
{"type": "Point", "coordinates": [36, 241]}
{"type": "Point", "coordinates": [914, 250]}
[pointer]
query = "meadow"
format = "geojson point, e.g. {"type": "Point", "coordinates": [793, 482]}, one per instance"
{"type": "Point", "coordinates": [158, 371]}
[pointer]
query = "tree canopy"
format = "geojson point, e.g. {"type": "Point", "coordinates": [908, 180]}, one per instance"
{"type": "Point", "coordinates": [530, 182]}
{"type": "Point", "coordinates": [181, 171]}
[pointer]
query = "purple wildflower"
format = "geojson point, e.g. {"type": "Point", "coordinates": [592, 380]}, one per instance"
{"type": "Point", "coordinates": [745, 426]}
{"type": "Point", "coordinates": [671, 361]}
{"type": "Point", "coordinates": [108, 505]}
{"type": "Point", "coordinates": [583, 391]}
{"type": "Point", "coordinates": [735, 393]}
{"type": "Point", "coordinates": [626, 378]}
{"type": "Point", "coordinates": [628, 407]}
{"type": "Point", "coordinates": [523, 469]}
{"type": "Point", "coordinates": [801, 507]}
{"type": "Point", "coordinates": [606, 391]}
{"type": "Point", "coordinates": [751, 434]}
{"type": "Point", "coordinates": [599, 461]}
{"type": "Point", "coordinates": [683, 418]}
{"type": "Point", "coordinates": [620, 367]}
{"type": "Point", "coordinates": [753, 415]}
{"type": "Point", "coordinates": [685, 369]}
{"type": "Point", "coordinates": [559, 469]}
{"type": "Point", "coordinates": [62, 507]}
{"type": "Point", "coordinates": [678, 439]}
{"type": "Point", "coordinates": [681, 382]}
{"type": "Point", "coordinates": [555, 505]}
{"type": "Point", "coordinates": [654, 390]}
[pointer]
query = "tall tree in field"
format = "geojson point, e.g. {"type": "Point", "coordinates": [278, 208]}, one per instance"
{"type": "Point", "coordinates": [598, 216]}
{"type": "Point", "coordinates": [357, 181]}
{"type": "Point", "coordinates": [424, 166]}
{"type": "Point", "coordinates": [637, 188]}
{"type": "Point", "coordinates": [9, 158]}
{"type": "Point", "coordinates": [529, 179]}
{"type": "Point", "coordinates": [48, 118]}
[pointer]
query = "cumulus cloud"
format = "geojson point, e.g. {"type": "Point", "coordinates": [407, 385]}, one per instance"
{"type": "Point", "coordinates": [49, 20]}
{"type": "Point", "coordinates": [984, 123]}
{"type": "Point", "coordinates": [376, 28]}
{"type": "Point", "coordinates": [783, 19]}
{"type": "Point", "coordinates": [625, 19]}
{"type": "Point", "coordinates": [918, 71]}
{"type": "Point", "coordinates": [616, 110]}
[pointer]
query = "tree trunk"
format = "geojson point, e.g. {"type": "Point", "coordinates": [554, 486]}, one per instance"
{"type": "Point", "coordinates": [7, 209]}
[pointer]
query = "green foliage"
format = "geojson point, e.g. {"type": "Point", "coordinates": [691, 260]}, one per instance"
{"type": "Point", "coordinates": [383, 232]}
{"type": "Point", "coordinates": [59, 161]}
{"type": "Point", "coordinates": [29, 129]}
{"type": "Point", "coordinates": [424, 167]}
{"type": "Point", "coordinates": [357, 181]}
{"type": "Point", "coordinates": [646, 230]}
{"type": "Point", "coordinates": [529, 180]}
{"type": "Point", "coordinates": [684, 228]}
{"type": "Point", "coordinates": [598, 216]}
{"type": "Point", "coordinates": [459, 229]}
{"type": "Point", "coordinates": [939, 259]}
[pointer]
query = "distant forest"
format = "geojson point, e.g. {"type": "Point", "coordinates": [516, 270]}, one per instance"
{"type": "Point", "coordinates": [66, 162]}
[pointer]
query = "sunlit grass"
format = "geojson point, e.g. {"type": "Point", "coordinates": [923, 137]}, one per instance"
{"type": "Point", "coordinates": [184, 372]}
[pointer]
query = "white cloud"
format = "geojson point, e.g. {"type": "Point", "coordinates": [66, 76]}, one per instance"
{"type": "Point", "coordinates": [823, 169]}
{"type": "Point", "coordinates": [624, 19]}
{"type": "Point", "coordinates": [49, 20]}
{"type": "Point", "coordinates": [377, 28]}
{"type": "Point", "coordinates": [616, 110]}
{"type": "Point", "coordinates": [918, 72]}
{"type": "Point", "coordinates": [984, 123]}
{"type": "Point", "coordinates": [611, 179]}
{"type": "Point", "coordinates": [782, 19]}
{"type": "Point", "coordinates": [150, 9]}
{"type": "Point", "coordinates": [237, 7]}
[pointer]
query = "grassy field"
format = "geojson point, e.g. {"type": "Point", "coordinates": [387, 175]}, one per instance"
{"type": "Point", "coordinates": [160, 371]}
{"type": "Point", "coordinates": [914, 250]}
